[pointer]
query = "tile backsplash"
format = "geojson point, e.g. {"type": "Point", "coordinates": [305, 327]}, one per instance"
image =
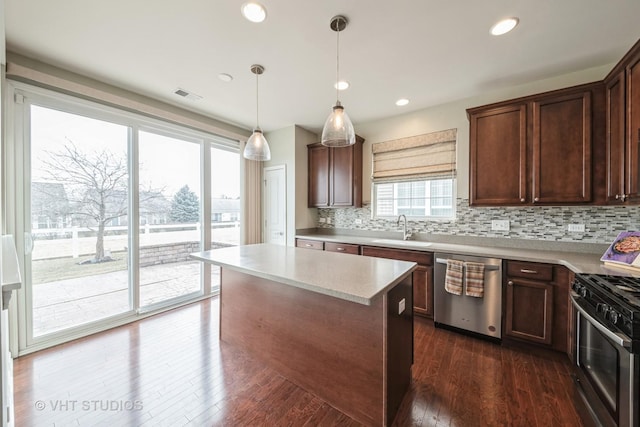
{"type": "Point", "coordinates": [601, 223]}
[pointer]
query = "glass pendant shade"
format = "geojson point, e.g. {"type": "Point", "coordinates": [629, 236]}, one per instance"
{"type": "Point", "coordinates": [257, 147]}
{"type": "Point", "coordinates": [338, 129]}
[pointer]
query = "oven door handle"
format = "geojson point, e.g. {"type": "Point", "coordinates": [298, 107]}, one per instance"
{"type": "Point", "coordinates": [620, 339]}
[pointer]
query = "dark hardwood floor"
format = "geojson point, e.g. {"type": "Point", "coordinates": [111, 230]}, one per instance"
{"type": "Point", "coordinates": [171, 370]}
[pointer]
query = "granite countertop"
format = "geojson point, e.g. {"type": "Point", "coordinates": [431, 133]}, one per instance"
{"type": "Point", "coordinates": [586, 258]}
{"type": "Point", "coordinates": [349, 277]}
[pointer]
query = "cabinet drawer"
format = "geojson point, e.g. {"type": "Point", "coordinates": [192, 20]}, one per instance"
{"type": "Point", "coordinates": [530, 270]}
{"type": "Point", "coordinates": [310, 244]}
{"type": "Point", "coordinates": [422, 258]}
{"type": "Point", "coordinates": [342, 247]}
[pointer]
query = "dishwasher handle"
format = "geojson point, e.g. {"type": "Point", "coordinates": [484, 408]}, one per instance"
{"type": "Point", "coordinates": [486, 267]}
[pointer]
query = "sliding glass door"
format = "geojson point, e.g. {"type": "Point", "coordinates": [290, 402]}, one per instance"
{"type": "Point", "coordinates": [111, 204]}
{"type": "Point", "coordinates": [78, 220]}
{"type": "Point", "coordinates": [225, 203]}
{"type": "Point", "coordinates": [169, 197]}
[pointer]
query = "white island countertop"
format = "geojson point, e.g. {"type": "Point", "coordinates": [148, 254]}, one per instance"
{"type": "Point", "coordinates": [353, 278]}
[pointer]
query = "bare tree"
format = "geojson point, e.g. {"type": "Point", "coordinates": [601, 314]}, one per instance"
{"type": "Point", "coordinates": [96, 184]}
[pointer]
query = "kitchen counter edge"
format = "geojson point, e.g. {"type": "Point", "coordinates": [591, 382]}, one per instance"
{"type": "Point", "coordinates": [576, 262]}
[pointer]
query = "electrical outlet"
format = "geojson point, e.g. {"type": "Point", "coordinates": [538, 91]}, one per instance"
{"type": "Point", "coordinates": [322, 220]}
{"type": "Point", "coordinates": [401, 306]}
{"type": "Point", "coordinates": [500, 225]}
{"type": "Point", "coordinates": [575, 228]}
{"type": "Point", "coordinates": [358, 221]}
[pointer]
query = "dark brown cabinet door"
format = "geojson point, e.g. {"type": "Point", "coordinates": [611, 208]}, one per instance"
{"type": "Point", "coordinates": [318, 171]}
{"type": "Point", "coordinates": [422, 276]}
{"type": "Point", "coordinates": [633, 128]}
{"type": "Point", "coordinates": [529, 311]}
{"type": "Point", "coordinates": [423, 291]}
{"type": "Point", "coordinates": [615, 119]}
{"type": "Point", "coordinates": [561, 143]}
{"type": "Point", "coordinates": [335, 175]}
{"type": "Point", "coordinates": [345, 176]}
{"type": "Point", "coordinates": [498, 155]}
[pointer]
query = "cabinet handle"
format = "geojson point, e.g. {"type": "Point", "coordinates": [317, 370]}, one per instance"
{"type": "Point", "coordinates": [308, 245]}
{"type": "Point", "coordinates": [339, 249]}
{"type": "Point", "coordinates": [510, 283]}
{"type": "Point", "coordinates": [527, 271]}
{"type": "Point", "coordinates": [522, 200]}
{"type": "Point", "coordinates": [537, 199]}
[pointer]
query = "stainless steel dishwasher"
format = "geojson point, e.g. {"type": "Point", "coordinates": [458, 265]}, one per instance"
{"type": "Point", "coordinates": [479, 315]}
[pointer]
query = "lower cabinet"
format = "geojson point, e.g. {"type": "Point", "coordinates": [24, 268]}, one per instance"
{"type": "Point", "coordinates": [529, 310]}
{"type": "Point", "coordinates": [345, 248]}
{"type": "Point", "coordinates": [310, 244]}
{"type": "Point", "coordinates": [537, 306]}
{"type": "Point", "coordinates": [422, 276]}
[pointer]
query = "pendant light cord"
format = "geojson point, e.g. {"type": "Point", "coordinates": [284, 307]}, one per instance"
{"type": "Point", "coordinates": [257, 108]}
{"type": "Point", "coordinates": [338, 62]}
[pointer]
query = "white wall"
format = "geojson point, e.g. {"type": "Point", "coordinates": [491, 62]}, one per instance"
{"type": "Point", "coordinates": [305, 217]}
{"type": "Point", "coordinates": [453, 115]}
{"type": "Point", "coordinates": [289, 147]}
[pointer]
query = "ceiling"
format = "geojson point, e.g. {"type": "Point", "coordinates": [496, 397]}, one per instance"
{"type": "Point", "coordinates": [430, 51]}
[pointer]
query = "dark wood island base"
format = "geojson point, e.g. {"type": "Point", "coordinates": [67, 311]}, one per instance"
{"type": "Point", "coordinates": [356, 357]}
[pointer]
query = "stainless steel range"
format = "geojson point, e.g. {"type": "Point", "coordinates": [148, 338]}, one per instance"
{"type": "Point", "coordinates": [607, 351]}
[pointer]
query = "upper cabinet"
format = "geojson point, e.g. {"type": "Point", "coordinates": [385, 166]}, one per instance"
{"type": "Point", "coordinates": [335, 175]}
{"type": "Point", "coordinates": [498, 143]}
{"type": "Point", "coordinates": [623, 129]}
{"type": "Point", "coordinates": [535, 150]}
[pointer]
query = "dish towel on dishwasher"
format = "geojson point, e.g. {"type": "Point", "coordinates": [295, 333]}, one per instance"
{"type": "Point", "coordinates": [453, 277]}
{"type": "Point", "coordinates": [474, 279]}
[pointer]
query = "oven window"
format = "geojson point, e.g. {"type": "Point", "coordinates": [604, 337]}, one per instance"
{"type": "Point", "coordinates": [599, 360]}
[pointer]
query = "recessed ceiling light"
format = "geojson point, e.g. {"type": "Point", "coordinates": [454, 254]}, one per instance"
{"type": "Point", "coordinates": [225, 77]}
{"type": "Point", "coordinates": [254, 11]}
{"type": "Point", "coordinates": [504, 26]}
{"type": "Point", "coordinates": [402, 102]}
{"type": "Point", "coordinates": [341, 85]}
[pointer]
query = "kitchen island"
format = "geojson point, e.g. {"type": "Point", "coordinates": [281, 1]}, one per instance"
{"type": "Point", "coordinates": [338, 325]}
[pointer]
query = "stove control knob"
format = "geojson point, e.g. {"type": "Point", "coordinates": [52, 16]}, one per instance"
{"type": "Point", "coordinates": [584, 292]}
{"type": "Point", "coordinates": [602, 308]}
{"type": "Point", "coordinates": [577, 286]}
{"type": "Point", "coordinates": [613, 316]}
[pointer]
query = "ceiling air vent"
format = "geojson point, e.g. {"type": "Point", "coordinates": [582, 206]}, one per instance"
{"type": "Point", "coordinates": [186, 94]}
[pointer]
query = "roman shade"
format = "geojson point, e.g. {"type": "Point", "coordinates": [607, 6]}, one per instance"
{"type": "Point", "coordinates": [427, 156]}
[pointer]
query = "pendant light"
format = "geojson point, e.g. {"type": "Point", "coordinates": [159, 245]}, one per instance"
{"type": "Point", "coordinates": [257, 147]}
{"type": "Point", "coordinates": [338, 130]}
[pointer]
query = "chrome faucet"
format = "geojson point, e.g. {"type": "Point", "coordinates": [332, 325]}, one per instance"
{"type": "Point", "coordinates": [405, 235]}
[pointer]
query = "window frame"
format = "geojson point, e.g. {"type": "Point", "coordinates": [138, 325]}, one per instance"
{"type": "Point", "coordinates": [19, 96]}
{"type": "Point", "coordinates": [427, 199]}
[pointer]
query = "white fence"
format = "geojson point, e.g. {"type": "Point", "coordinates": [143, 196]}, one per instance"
{"type": "Point", "coordinates": [81, 241]}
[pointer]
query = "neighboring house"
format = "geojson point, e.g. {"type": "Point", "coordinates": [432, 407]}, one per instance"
{"type": "Point", "coordinates": [49, 206]}
{"type": "Point", "coordinates": [225, 210]}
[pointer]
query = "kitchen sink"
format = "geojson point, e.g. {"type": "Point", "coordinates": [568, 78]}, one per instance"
{"type": "Point", "coordinates": [413, 243]}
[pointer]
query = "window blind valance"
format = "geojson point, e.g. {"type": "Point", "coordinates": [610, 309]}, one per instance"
{"type": "Point", "coordinates": [426, 156]}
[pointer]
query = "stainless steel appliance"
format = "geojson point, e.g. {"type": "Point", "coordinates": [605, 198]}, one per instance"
{"type": "Point", "coordinates": [607, 347]}
{"type": "Point", "coordinates": [478, 315]}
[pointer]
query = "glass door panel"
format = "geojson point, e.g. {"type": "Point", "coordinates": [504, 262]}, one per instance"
{"type": "Point", "coordinates": [169, 199]}
{"type": "Point", "coordinates": [225, 203]}
{"type": "Point", "coordinates": [78, 213]}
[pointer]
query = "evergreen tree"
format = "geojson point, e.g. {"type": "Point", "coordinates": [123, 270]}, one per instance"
{"type": "Point", "coordinates": [185, 206]}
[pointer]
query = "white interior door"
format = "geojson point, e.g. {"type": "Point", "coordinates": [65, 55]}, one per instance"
{"type": "Point", "coordinates": [275, 205]}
